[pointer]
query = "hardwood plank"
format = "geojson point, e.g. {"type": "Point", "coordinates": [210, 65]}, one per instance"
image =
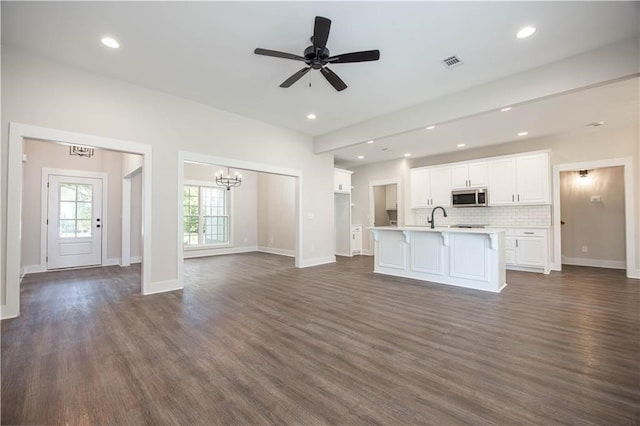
{"type": "Point", "coordinates": [253, 340]}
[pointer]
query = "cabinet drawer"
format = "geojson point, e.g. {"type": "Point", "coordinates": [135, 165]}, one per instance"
{"type": "Point", "coordinates": [530, 232]}
{"type": "Point", "coordinates": [356, 229]}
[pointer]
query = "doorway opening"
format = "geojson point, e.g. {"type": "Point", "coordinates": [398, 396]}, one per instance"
{"type": "Point", "coordinates": [587, 197]}
{"type": "Point", "coordinates": [262, 214]}
{"type": "Point", "coordinates": [78, 216]}
{"type": "Point", "coordinates": [385, 206]}
{"type": "Point", "coordinates": [592, 217]}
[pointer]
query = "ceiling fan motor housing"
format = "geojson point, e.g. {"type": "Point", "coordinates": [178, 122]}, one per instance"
{"type": "Point", "coordinates": [316, 61]}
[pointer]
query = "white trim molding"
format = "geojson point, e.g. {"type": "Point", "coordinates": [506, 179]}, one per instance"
{"type": "Point", "coordinates": [595, 263]}
{"type": "Point", "coordinates": [17, 133]}
{"type": "Point", "coordinates": [279, 251]}
{"type": "Point", "coordinates": [192, 254]}
{"type": "Point", "coordinates": [163, 287]}
{"type": "Point", "coordinates": [630, 191]}
{"type": "Point", "coordinates": [306, 263]}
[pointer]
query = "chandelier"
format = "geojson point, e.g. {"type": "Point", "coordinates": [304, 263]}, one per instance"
{"type": "Point", "coordinates": [82, 151]}
{"type": "Point", "coordinates": [228, 181]}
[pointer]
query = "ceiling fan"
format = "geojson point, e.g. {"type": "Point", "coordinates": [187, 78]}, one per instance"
{"type": "Point", "coordinates": [317, 56]}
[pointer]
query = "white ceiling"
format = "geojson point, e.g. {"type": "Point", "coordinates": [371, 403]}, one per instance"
{"type": "Point", "coordinates": [615, 104]}
{"type": "Point", "coordinates": [204, 51]}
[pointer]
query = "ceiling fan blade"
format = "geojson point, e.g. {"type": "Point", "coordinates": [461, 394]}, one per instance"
{"type": "Point", "coordinates": [297, 76]}
{"type": "Point", "coordinates": [333, 79]}
{"type": "Point", "coordinates": [365, 56]}
{"type": "Point", "coordinates": [321, 33]}
{"type": "Point", "coordinates": [276, 54]}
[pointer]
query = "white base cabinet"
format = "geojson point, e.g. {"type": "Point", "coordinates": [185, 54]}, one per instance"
{"type": "Point", "coordinates": [527, 250]}
{"type": "Point", "coordinates": [356, 239]}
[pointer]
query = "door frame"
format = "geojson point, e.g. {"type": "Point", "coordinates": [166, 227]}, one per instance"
{"type": "Point", "coordinates": [372, 207]}
{"type": "Point", "coordinates": [125, 252]}
{"type": "Point", "coordinates": [629, 211]}
{"type": "Point", "coordinates": [17, 133]}
{"type": "Point", "coordinates": [44, 210]}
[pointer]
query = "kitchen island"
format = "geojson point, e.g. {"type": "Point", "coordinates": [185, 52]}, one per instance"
{"type": "Point", "coordinates": [471, 258]}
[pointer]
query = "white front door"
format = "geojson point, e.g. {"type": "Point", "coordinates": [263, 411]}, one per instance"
{"type": "Point", "coordinates": [74, 222]}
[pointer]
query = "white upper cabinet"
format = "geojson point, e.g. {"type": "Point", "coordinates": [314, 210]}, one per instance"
{"type": "Point", "coordinates": [519, 180]}
{"type": "Point", "coordinates": [502, 182]}
{"type": "Point", "coordinates": [420, 192]}
{"type": "Point", "coordinates": [440, 186]}
{"type": "Point", "coordinates": [342, 180]}
{"type": "Point", "coordinates": [469, 175]}
{"type": "Point", "coordinates": [430, 187]}
{"type": "Point", "coordinates": [533, 179]}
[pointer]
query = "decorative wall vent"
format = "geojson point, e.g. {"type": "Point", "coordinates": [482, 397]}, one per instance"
{"type": "Point", "coordinates": [452, 61]}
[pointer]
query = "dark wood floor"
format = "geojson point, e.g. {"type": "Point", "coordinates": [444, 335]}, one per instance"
{"type": "Point", "coordinates": [252, 340]}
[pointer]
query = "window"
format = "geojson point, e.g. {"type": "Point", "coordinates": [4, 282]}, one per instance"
{"type": "Point", "coordinates": [75, 210]}
{"type": "Point", "coordinates": [206, 215]}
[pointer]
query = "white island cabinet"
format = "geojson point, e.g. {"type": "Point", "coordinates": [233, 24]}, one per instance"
{"type": "Point", "coordinates": [471, 258]}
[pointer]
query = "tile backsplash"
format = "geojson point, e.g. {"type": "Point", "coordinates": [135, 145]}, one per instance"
{"type": "Point", "coordinates": [496, 216]}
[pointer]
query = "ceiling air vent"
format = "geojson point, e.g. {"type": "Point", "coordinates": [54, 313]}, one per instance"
{"type": "Point", "coordinates": [452, 61]}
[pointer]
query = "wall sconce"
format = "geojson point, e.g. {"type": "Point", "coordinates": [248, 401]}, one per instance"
{"type": "Point", "coordinates": [584, 173]}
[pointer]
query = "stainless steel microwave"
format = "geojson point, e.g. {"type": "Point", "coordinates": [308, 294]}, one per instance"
{"type": "Point", "coordinates": [469, 198]}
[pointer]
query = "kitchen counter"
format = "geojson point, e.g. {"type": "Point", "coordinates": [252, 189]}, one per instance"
{"type": "Point", "coordinates": [464, 257]}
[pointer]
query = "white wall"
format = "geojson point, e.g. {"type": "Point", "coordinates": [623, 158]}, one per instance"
{"type": "Point", "coordinates": [276, 213]}
{"type": "Point", "coordinates": [51, 155]}
{"type": "Point", "coordinates": [244, 208]}
{"type": "Point", "coordinates": [38, 92]}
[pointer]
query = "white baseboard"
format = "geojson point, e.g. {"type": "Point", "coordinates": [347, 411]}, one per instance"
{"type": "Point", "coordinates": [163, 287]}
{"type": "Point", "coordinates": [274, 250]}
{"type": "Point", "coordinates": [111, 262]}
{"type": "Point", "coordinates": [7, 312]}
{"type": "Point", "coordinates": [135, 259]}
{"type": "Point", "coordinates": [33, 269]}
{"type": "Point", "coordinates": [633, 273]}
{"type": "Point", "coordinates": [305, 263]}
{"type": "Point", "coordinates": [367, 252]}
{"type": "Point", "coordinates": [596, 263]}
{"type": "Point", "coordinates": [190, 254]}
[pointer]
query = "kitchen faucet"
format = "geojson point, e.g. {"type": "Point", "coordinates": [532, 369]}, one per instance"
{"type": "Point", "coordinates": [432, 221]}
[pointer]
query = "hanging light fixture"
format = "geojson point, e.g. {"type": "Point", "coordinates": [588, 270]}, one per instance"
{"type": "Point", "coordinates": [82, 151]}
{"type": "Point", "coordinates": [228, 181]}
{"type": "Point", "coordinates": [584, 173]}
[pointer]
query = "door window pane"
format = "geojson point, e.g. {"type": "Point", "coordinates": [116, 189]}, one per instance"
{"type": "Point", "coordinates": [83, 228]}
{"type": "Point", "coordinates": [84, 211]}
{"type": "Point", "coordinates": [85, 192]}
{"type": "Point", "coordinates": [67, 229]}
{"type": "Point", "coordinates": [67, 210]}
{"type": "Point", "coordinates": [67, 192]}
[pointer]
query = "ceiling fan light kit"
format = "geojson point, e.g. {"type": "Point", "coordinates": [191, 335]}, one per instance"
{"type": "Point", "coordinates": [317, 56]}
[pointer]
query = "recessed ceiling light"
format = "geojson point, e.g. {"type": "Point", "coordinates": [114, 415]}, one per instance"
{"type": "Point", "coordinates": [360, 157]}
{"type": "Point", "coordinates": [526, 32]}
{"type": "Point", "coordinates": [407, 154]}
{"type": "Point", "coordinates": [462, 145]}
{"type": "Point", "coordinates": [505, 109]}
{"type": "Point", "coordinates": [523, 133]}
{"type": "Point", "coordinates": [431, 127]}
{"type": "Point", "coordinates": [110, 42]}
{"type": "Point", "coordinates": [311, 116]}
{"type": "Point", "coordinates": [369, 141]}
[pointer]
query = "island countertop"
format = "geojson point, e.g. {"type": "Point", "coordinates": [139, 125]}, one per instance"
{"type": "Point", "coordinates": [439, 229]}
{"type": "Point", "coordinates": [463, 257]}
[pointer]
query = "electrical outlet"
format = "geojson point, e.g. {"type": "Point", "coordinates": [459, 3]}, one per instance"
{"type": "Point", "coordinates": [585, 249]}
